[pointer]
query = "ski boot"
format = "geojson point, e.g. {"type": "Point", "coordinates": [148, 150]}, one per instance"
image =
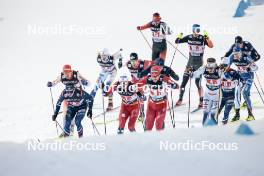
{"type": "Point", "coordinates": [250, 115]}
{"type": "Point", "coordinates": [72, 130]}
{"type": "Point", "coordinates": [200, 105]}
{"type": "Point", "coordinates": [224, 121]}
{"type": "Point", "coordinates": [80, 133]}
{"type": "Point", "coordinates": [63, 135]}
{"type": "Point", "coordinates": [132, 130]}
{"type": "Point", "coordinates": [120, 130]}
{"type": "Point", "coordinates": [179, 102]}
{"type": "Point", "coordinates": [110, 106]}
{"type": "Point", "coordinates": [244, 104]}
{"type": "Point", "coordinates": [237, 116]}
{"type": "Point", "coordinates": [141, 116]}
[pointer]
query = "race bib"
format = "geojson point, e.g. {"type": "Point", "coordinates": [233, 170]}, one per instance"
{"type": "Point", "coordinates": [196, 50]}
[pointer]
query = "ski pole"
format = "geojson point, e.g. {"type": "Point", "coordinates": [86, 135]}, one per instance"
{"type": "Point", "coordinates": [259, 93]}
{"type": "Point", "coordinates": [178, 50]}
{"type": "Point", "coordinates": [51, 96]}
{"type": "Point", "coordinates": [189, 104]}
{"type": "Point", "coordinates": [94, 127]}
{"type": "Point", "coordinates": [59, 125]}
{"type": "Point", "coordinates": [172, 103]}
{"type": "Point", "coordinates": [104, 114]}
{"type": "Point", "coordinates": [172, 123]}
{"type": "Point", "coordinates": [259, 84]}
{"type": "Point", "coordinates": [145, 39]}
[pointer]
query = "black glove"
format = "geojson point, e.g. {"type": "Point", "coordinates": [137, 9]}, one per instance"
{"type": "Point", "coordinates": [221, 66]}
{"type": "Point", "coordinates": [54, 116]}
{"type": "Point", "coordinates": [189, 69]}
{"type": "Point", "coordinates": [138, 28]}
{"type": "Point", "coordinates": [49, 84]}
{"type": "Point", "coordinates": [248, 69]}
{"type": "Point", "coordinates": [90, 113]}
{"type": "Point", "coordinates": [175, 86]}
{"type": "Point", "coordinates": [120, 64]}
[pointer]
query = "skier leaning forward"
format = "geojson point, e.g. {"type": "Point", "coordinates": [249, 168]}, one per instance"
{"type": "Point", "coordinates": [157, 103]}
{"type": "Point", "coordinates": [130, 106]}
{"type": "Point", "coordinates": [77, 101]}
{"type": "Point", "coordinates": [107, 74]}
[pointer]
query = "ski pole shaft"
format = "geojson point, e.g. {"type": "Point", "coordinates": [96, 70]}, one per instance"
{"type": "Point", "coordinates": [94, 126]}
{"type": "Point", "coordinates": [176, 47]}
{"type": "Point", "coordinates": [51, 96]}
{"type": "Point", "coordinates": [259, 83]}
{"type": "Point", "coordinates": [145, 39]}
{"type": "Point", "coordinates": [172, 123]}
{"type": "Point", "coordinates": [259, 93]}
{"type": "Point", "coordinates": [178, 50]}
{"type": "Point", "coordinates": [104, 114]}
{"type": "Point", "coordinates": [59, 125]}
{"type": "Point", "coordinates": [189, 104]}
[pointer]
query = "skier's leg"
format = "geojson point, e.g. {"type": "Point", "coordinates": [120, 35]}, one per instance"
{"type": "Point", "coordinates": [237, 102]}
{"type": "Point", "coordinates": [206, 106]}
{"type": "Point", "coordinates": [200, 90]}
{"type": "Point", "coordinates": [185, 80]}
{"type": "Point", "coordinates": [150, 116]}
{"type": "Point", "coordinates": [78, 120]}
{"type": "Point", "coordinates": [100, 80]}
{"type": "Point", "coordinates": [134, 111]}
{"type": "Point", "coordinates": [69, 116]}
{"type": "Point", "coordinates": [214, 105]}
{"type": "Point", "coordinates": [123, 116]}
{"type": "Point", "coordinates": [246, 93]}
{"type": "Point", "coordinates": [162, 54]}
{"type": "Point", "coordinates": [228, 107]}
{"type": "Point", "coordinates": [108, 82]}
{"type": "Point", "coordinates": [160, 116]}
{"type": "Point", "coordinates": [155, 52]}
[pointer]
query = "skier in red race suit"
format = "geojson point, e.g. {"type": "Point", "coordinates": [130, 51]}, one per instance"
{"type": "Point", "coordinates": [136, 66]}
{"type": "Point", "coordinates": [159, 31]}
{"type": "Point", "coordinates": [157, 102]}
{"type": "Point", "coordinates": [130, 106]}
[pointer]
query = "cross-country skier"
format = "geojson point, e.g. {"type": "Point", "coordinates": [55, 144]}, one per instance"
{"type": "Point", "coordinates": [212, 75]}
{"type": "Point", "coordinates": [130, 105]}
{"type": "Point", "coordinates": [165, 70]}
{"type": "Point", "coordinates": [159, 31]}
{"type": "Point", "coordinates": [196, 43]}
{"type": "Point", "coordinates": [77, 101]}
{"type": "Point", "coordinates": [70, 78]}
{"type": "Point", "coordinates": [245, 68]}
{"type": "Point", "coordinates": [157, 102]}
{"type": "Point", "coordinates": [107, 74]}
{"type": "Point", "coordinates": [246, 48]}
{"type": "Point", "coordinates": [229, 82]}
{"type": "Point", "coordinates": [136, 67]}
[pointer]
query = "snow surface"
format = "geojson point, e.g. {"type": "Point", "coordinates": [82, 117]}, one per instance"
{"type": "Point", "coordinates": [28, 61]}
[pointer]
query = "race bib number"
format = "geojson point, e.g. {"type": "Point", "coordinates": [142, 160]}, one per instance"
{"type": "Point", "coordinates": [227, 85]}
{"type": "Point", "coordinates": [242, 68]}
{"type": "Point", "coordinates": [157, 36]}
{"type": "Point", "coordinates": [196, 50]}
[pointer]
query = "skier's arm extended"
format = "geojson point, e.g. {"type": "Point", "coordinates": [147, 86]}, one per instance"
{"type": "Point", "coordinates": [58, 104]}
{"type": "Point", "coordinates": [229, 52]}
{"type": "Point", "coordinates": [170, 72]}
{"type": "Point", "coordinates": [173, 84]}
{"type": "Point", "coordinates": [199, 72]}
{"type": "Point", "coordinates": [89, 100]}
{"type": "Point", "coordinates": [118, 56]}
{"type": "Point", "coordinates": [83, 80]}
{"type": "Point", "coordinates": [181, 39]}
{"type": "Point", "coordinates": [146, 26]}
{"type": "Point", "coordinates": [55, 82]}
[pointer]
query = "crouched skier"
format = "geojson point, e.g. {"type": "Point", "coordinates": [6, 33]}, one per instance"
{"type": "Point", "coordinates": [157, 102]}
{"type": "Point", "coordinates": [130, 106]}
{"type": "Point", "coordinates": [78, 101]}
